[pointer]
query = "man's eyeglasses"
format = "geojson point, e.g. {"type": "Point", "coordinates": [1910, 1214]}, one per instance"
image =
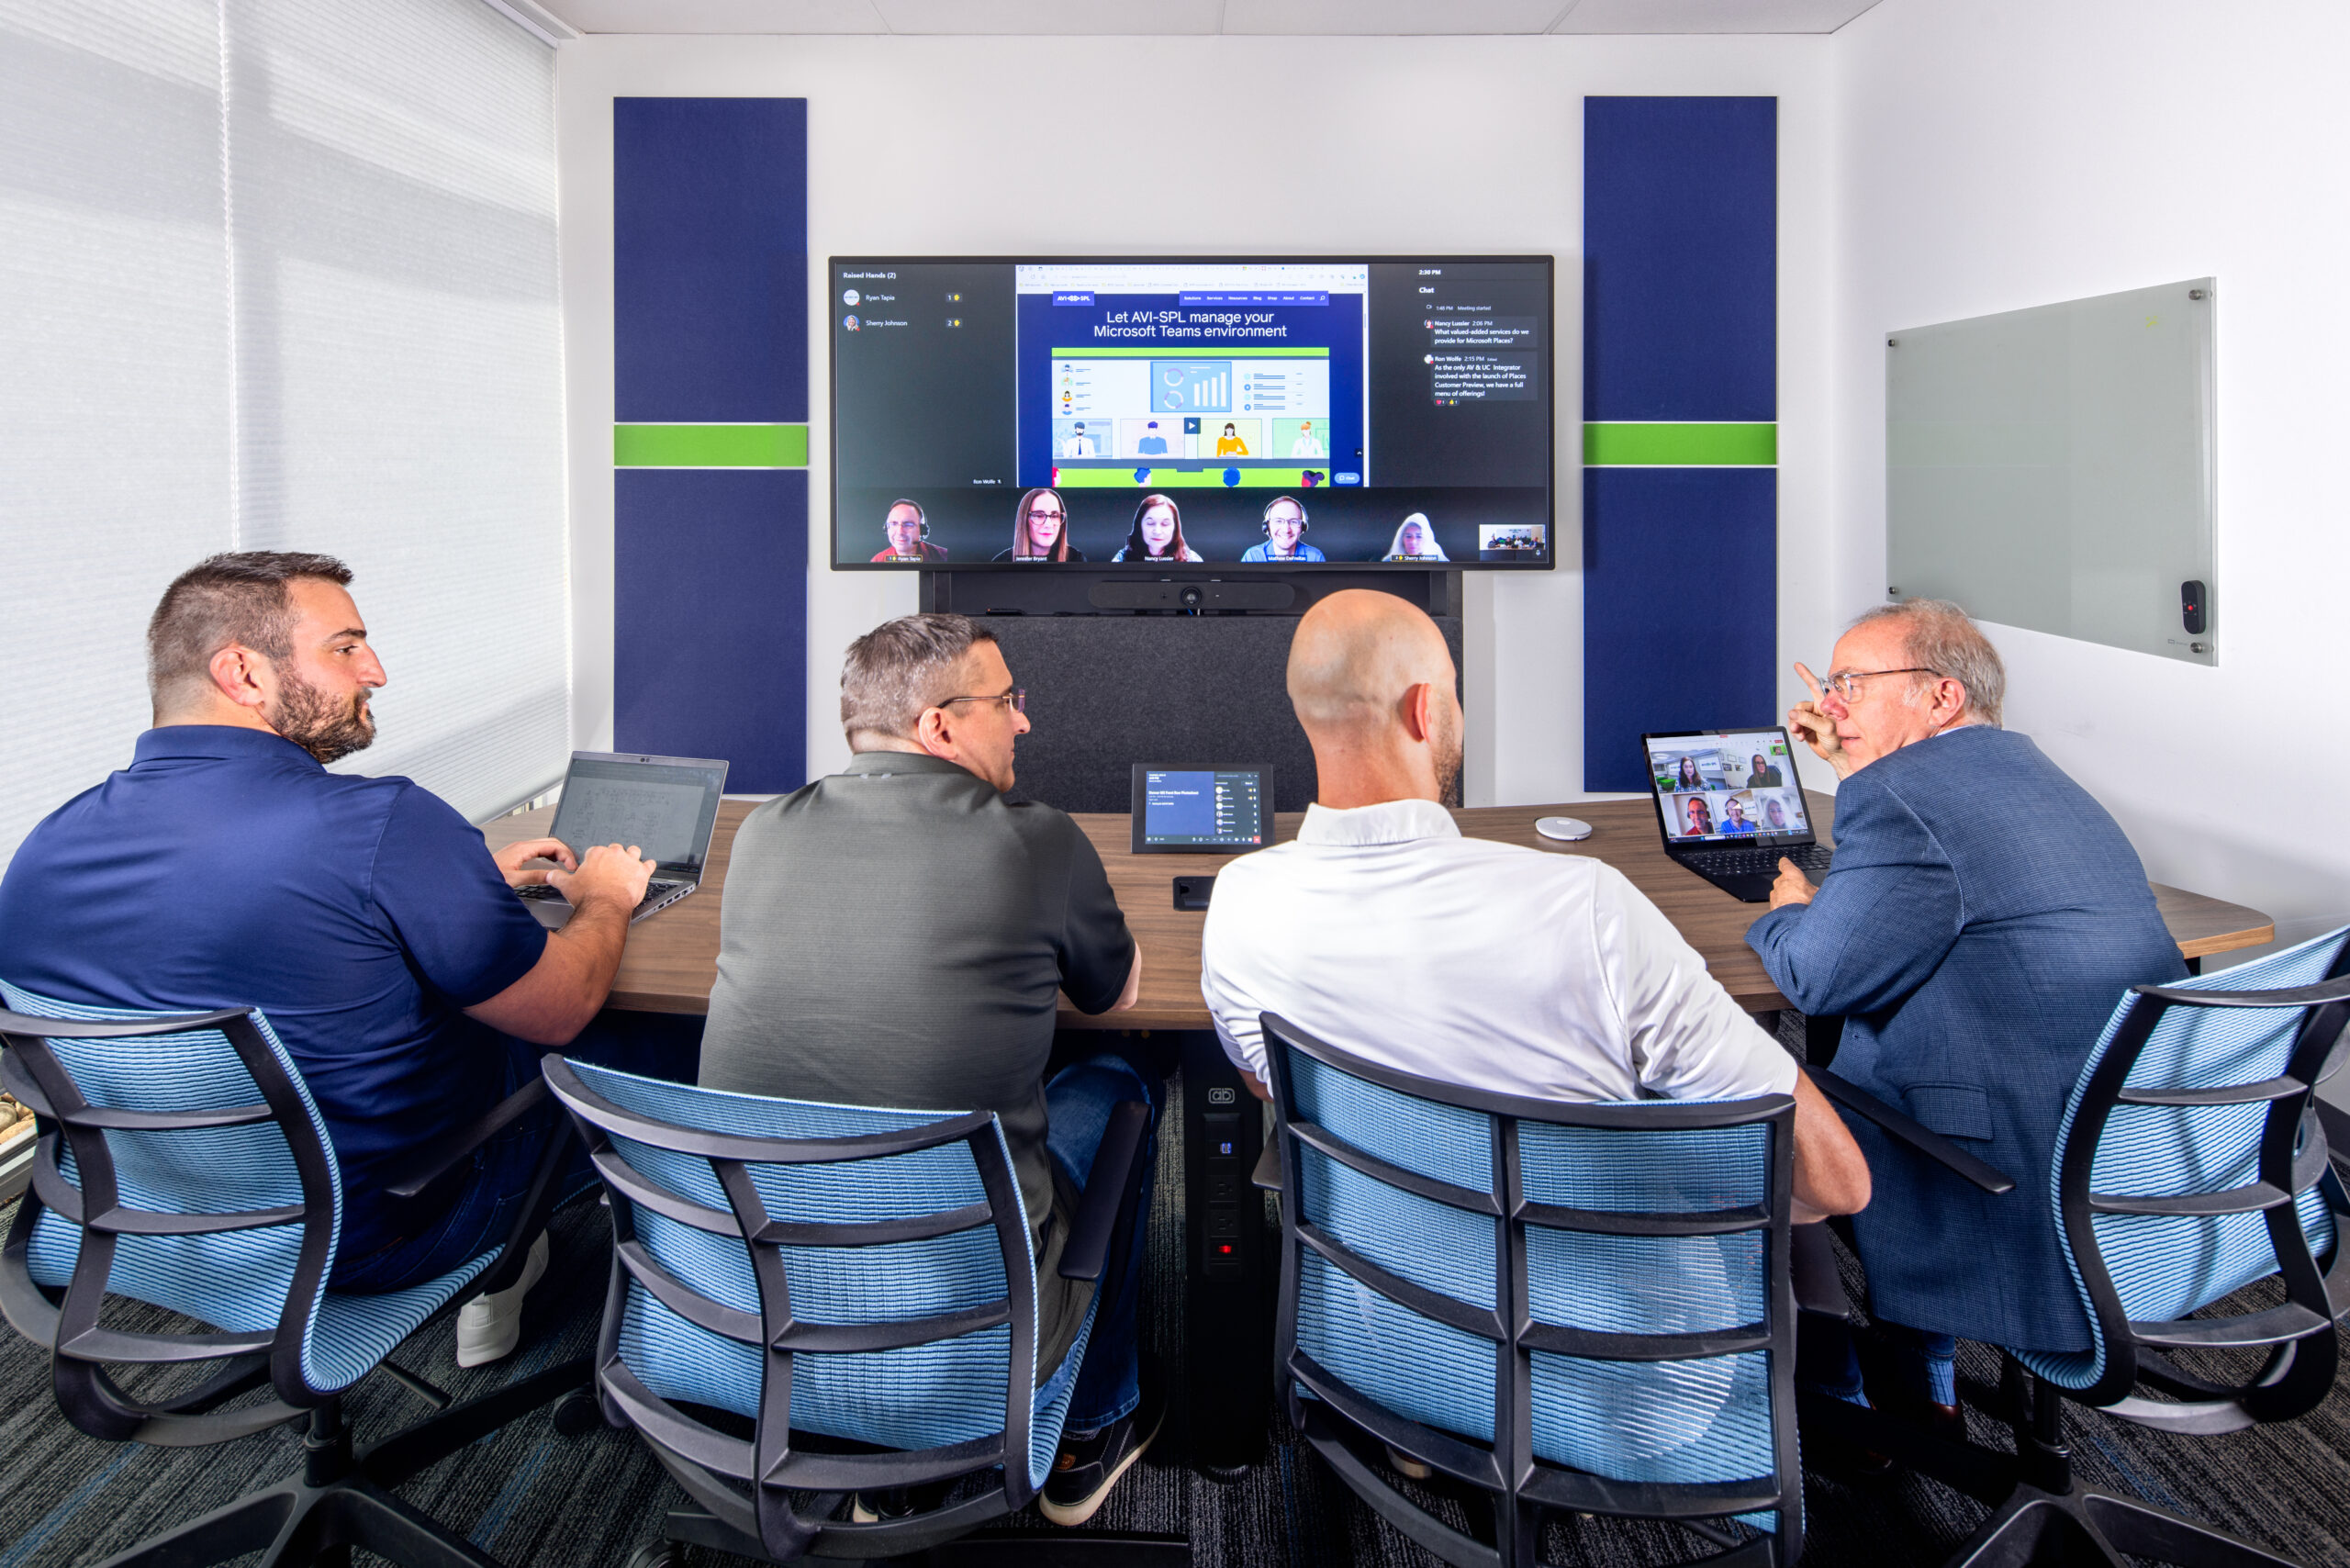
{"type": "Point", "coordinates": [1016, 700]}
{"type": "Point", "coordinates": [1847, 684]}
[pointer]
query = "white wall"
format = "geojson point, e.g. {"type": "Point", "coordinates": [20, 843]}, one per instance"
{"type": "Point", "coordinates": [1991, 154]}
{"type": "Point", "coordinates": [957, 146]}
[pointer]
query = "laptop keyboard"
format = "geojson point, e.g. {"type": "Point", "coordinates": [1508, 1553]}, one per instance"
{"type": "Point", "coordinates": [1765, 862]}
{"type": "Point", "coordinates": [657, 892]}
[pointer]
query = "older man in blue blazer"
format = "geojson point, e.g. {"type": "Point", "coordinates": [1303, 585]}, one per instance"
{"type": "Point", "coordinates": [1981, 919]}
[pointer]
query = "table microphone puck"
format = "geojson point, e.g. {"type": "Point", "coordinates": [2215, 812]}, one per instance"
{"type": "Point", "coordinates": [1567, 828]}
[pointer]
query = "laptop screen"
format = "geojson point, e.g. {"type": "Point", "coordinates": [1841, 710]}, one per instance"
{"type": "Point", "coordinates": [665, 805]}
{"type": "Point", "coordinates": [1727, 787]}
{"type": "Point", "coordinates": [1201, 809]}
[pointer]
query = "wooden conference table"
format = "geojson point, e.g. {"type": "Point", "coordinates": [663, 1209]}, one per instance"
{"type": "Point", "coordinates": [1230, 1256]}
{"type": "Point", "coordinates": [672, 959]}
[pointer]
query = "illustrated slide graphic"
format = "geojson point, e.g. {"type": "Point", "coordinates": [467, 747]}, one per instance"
{"type": "Point", "coordinates": [1256, 405]}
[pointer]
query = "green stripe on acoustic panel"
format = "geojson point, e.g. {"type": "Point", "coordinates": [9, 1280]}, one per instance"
{"type": "Point", "coordinates": [710, 446]}
{"type": "Point", "coordinates": [1621, 445]}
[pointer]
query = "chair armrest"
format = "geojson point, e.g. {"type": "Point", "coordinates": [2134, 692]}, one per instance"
{"type": "Point", "coordinates": [1859, 1102]}
{"type": "Point", "coordinates": [436, 1158]}
{"type": "Point", "coordinates": [1267, 1177]}
{"type": "Point", "coordinates": [1107, 1187]}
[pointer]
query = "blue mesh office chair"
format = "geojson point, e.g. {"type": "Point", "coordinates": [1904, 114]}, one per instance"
{"type": "Point", "coordinates": [1581, 1308]}
{"type": "Point", "coordinates": [857, 1274]}
{"type": "Point", "coordinates": [2189, 1166]}
{"type": "Point", "coordinates": [183, 1164]}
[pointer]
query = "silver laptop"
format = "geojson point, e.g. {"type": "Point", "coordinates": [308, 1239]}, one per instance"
{"type": "Point", "coordinates": [666, 806]}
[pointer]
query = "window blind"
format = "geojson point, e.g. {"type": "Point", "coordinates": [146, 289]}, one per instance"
{"type": "Point", "coordinates": [282, 276]}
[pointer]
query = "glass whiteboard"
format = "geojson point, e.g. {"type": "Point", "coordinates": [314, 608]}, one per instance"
{"type": "Point", "coordinates": [2052, 468]}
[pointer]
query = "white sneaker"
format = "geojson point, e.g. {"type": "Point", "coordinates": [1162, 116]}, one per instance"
{"type": "Point", "coordinates": [490, 1326]}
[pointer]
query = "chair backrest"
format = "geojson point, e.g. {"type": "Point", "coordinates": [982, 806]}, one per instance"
{"type": "Point", "coordinates": [181, 1163]}
{"type": "Point", "coordinates": [2189, 1165]}
{"type": "Point", "coordinates": [1575, 1306]}
{"type": "Point", "coordinates": [856, 1272]}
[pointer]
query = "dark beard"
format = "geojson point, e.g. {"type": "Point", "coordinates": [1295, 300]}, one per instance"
{"type": "Point", "coordinates": [311, 720]}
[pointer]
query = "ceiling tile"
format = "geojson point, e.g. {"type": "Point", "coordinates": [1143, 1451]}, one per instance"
{"type": "Point", "coordinates": [718, 16]}
{"type": "Point", "coordinates": [1388, 18]}
{"type": "Point", "coordinates": [1064, 17]}
{"type": "Point", "coordinates": [1710, 16]}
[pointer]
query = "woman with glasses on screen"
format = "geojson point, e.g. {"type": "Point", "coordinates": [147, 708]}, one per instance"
{"type": "Point", "coordinates": [1040, 530]}
{"type": "Point", "coordinates": [1157, 533]}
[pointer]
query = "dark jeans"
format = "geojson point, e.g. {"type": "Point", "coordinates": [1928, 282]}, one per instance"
{"type": "Point", "coordinates": [482, 1210]}
{"type": "Point", "coordinates": [1828, 1358]}
{"type": "Point", "coordinates": [1079, 1100]}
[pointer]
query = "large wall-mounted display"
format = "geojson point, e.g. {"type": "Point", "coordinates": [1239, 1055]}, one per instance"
{"type": "Point", "coordinates": [1015, 412]}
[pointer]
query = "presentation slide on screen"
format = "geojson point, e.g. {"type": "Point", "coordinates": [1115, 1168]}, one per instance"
{"type": "Point", "coordinates": [1157, 413]}
{"type": "Point", "coordinates": [1732, 785]}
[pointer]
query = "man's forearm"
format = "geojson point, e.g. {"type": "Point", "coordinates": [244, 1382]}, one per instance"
{"type": "Point", "coordinates": [569, 984]}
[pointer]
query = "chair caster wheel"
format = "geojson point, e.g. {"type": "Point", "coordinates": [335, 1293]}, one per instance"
{"type": "Point", "coordinates": [578, 1413]}
{"type": "Point", "coordinates": [659, 1554]}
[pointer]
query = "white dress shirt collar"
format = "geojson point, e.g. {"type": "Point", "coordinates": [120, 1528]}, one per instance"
{"type": "Point", "coordinates": [1389, 821]}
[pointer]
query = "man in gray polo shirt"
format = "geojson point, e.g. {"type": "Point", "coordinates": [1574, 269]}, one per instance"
{"type": "Point", "coordinates": [898, 933]}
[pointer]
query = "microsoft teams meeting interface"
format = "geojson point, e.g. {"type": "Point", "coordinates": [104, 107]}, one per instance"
{"type": "Point", "coordinates": [1202, 810]}
{"type": "Point", "coordinates": [1735, 784]}
{"type": "Point", "coordinates": [1155, 413]}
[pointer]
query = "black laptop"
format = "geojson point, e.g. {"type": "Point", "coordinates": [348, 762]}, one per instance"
{"type": "Point", "coordinates": [666, 806]}
{"type": "Point", "coordinates": [1730, 807]}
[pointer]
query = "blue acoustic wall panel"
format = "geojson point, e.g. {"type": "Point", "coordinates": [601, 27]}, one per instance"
{"type": "Point", "coordinates": [710, 667]}
{"type": "Point", "coordinates": [1680, 404]}
{"type": "Point", "coordinates": [709, 333]}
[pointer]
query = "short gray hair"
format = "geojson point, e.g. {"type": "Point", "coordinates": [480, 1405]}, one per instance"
{"type": "Point", "coordinates": [1939, 637]}
{"type": "Point", "coordinates": [902, 666]}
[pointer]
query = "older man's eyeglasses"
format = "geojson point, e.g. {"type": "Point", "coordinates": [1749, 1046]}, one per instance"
{"type": "Point", "coordinates": [1016, 700]}
{"type": "Point", "coordinates": [1846, 684]}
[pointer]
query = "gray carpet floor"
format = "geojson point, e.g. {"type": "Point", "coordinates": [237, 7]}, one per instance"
{"type": "Point", "coordinates": [537, 1499]}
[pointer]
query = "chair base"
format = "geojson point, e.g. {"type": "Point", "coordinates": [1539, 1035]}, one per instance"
{"type": "Point", "coordinates": [2063, 1522]}
{"type": "Point", "coordinates": [996, 1549]}
{"type": "Point", "coordinates": [343, 1500]}
{"type": "Point", "coordinates": [2087, 1525]}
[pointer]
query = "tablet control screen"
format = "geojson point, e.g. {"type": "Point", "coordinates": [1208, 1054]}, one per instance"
{"type": "Point", "coordinates": [1201, 809]}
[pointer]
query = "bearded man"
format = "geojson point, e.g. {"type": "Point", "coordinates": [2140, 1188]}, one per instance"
{"type": "Point", "coordinates": [366, 919]}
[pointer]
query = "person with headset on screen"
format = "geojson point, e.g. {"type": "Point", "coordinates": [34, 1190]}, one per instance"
{"type": "Point", "coordinates": [1285, 525]}
{"type": "Point", "coordinates": [1415, 541]}
{"type": "Point", "coordinates": [1157, 533]}
{"type": "Point", "coordinates": [1734, 820]}
{"type": "Point", "coordinates": [909, 532]}
{"type": "Point", "coordinates": [1700, 815]}
{"type": "Point", "coordinates": [1040, 530]}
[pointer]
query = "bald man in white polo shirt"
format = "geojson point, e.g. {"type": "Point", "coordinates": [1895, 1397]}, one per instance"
{"type": "Point", "coordinates": [1492, 966]}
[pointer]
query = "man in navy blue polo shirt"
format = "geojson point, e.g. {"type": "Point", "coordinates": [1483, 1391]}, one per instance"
{"type": "Point", "coordinates": [367, 920]}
